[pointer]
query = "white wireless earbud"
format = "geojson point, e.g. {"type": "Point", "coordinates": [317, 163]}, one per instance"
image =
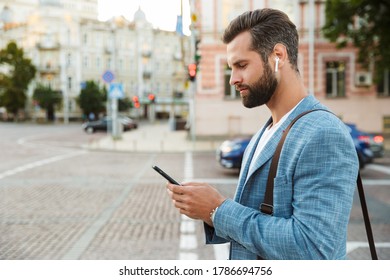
{"type": "Point", "coordinates": [276, 64]}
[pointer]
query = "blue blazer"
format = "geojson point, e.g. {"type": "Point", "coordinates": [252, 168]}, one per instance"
{"type": "Point", "coordinates": [313, 193]}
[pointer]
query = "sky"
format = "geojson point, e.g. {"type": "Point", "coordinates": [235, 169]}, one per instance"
{"type": "Point", "coordinates": [161, 13]}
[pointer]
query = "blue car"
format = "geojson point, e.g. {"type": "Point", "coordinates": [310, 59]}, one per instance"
{"type": "Point", "coordinates": [364, 151]}
{"type": "Point", "coordinates": [229, 154]}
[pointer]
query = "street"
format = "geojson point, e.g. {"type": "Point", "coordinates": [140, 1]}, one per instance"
{"type": "Point", "coordinates": [61, 200]}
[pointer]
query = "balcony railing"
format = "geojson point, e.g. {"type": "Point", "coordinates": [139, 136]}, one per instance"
{"type": "Point", "coordinates": [48, 46]}
{"type": "Point", "coordinates": [147, 74]}
{"type": "Point", "coordinates": [146, 54]}
{"type": "Point", "coordinates": [49, 69]}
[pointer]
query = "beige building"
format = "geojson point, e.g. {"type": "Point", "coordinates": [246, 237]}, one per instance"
{"type": "Point", "coordinates": [69, 45]}
{"type": "Point", "coordinates": [331, 74]}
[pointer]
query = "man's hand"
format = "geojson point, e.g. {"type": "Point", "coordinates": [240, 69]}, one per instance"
{"type": "Point", "coordinates": [195, 200]}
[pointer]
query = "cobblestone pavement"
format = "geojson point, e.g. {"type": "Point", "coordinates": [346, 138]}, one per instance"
{"type": "Point", "coordinates": [92, 206]}
{"type": "Point", "coordinates": [66, 202]}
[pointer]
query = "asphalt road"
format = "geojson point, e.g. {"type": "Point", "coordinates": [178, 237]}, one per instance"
{"type": "Point", "coordinates": [61, 200]}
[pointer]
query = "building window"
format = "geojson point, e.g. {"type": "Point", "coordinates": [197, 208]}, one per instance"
{"type": "Point", "coordinates": [70, 83]}
{"type": "Point", "coordinates": [230, 91]}
{"type": "Point", "coordinates": [384, 85]}
{"type": "Point", "coordinates": [386, 125]}
{"type": "Point", "coordinates": [86, 62]}
{"type": "Point", "coordinates": [335, 79]}
{"type": "Point", "coordinates": [98, 62]}
{"type": "Point", "coordinates": [85, 38]}
{"type": "Point", "coordinates": [68, 60]}
{"type": "Point", "coordinates": [157, 88]}
{"type": "Point", "coordinates": [168, 87]}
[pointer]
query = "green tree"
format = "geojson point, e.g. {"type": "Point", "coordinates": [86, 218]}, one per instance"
{"type": "Point", "coordinates": [92, 99]}
{"type": "Point", "coordinates": [364, 23]}
{"type": "Point", "coordinates": [124, 104]}
{"type": "Point", "coordinates": [14, 83]}
{"type": "Point", "coordinates": [47, 99]}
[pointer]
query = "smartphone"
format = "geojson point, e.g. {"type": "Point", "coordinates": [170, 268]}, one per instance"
{"type": "Point", "coordinates": [165, 175]}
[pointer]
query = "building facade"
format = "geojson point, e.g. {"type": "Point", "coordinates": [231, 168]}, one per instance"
{"type": "Point", "coordinates": [69, 46]}
{"type": "Point", "coordinates": [331, 74]}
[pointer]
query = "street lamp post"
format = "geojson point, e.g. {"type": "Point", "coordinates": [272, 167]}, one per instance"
{"type": "Point", "coordinates": [65, 89]}
{"type": "Point", "coordinates": [114, 101]}
{"type": "Point", "coordinates": [193, 84]}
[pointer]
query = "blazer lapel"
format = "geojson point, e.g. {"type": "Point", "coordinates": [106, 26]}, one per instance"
{"type": "Point", "coordinates": [251, 150]}
{"type": "Point", "coordinates": [269, 149]}
{"type": "Point", "coordinates": [266, 153]}
{"type": "Point", "coordinates": [246, 161]}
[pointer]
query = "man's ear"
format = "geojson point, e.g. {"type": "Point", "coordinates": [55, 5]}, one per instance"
{"type": "Point", "coordinates": [279, 56]}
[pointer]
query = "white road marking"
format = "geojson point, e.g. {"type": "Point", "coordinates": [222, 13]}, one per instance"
{"type": "Point", "coordinates": [188, 256]}
{"type": "Point", "coordinates": [353, 245]}
{"type": "Point", "coordinates": [379, 168]}
{"type": "Point", "coordinates": [38, 163]}
{"type": "Point", "coordinates": [376, 182]}
{"type": "Point", "coordinates": [221, 251]}
{"type": "Point", "coordinates": [187, 226]}
{"type": "Point", "coordinates": [188, 240]}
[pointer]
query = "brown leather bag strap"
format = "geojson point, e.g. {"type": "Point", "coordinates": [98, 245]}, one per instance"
{"type": "Point", "coordinates": [370, 236]}
{"type": "Point", "coordinates": [267, 206]}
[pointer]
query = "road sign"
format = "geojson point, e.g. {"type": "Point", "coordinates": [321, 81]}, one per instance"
{"type": "Point", "coordinates": [108, 76]}
{"type": "Point", "coordinates": [116, 91]}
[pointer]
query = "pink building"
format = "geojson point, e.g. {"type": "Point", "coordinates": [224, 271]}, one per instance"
{"type": "Point", "coordinates": [331, 74]}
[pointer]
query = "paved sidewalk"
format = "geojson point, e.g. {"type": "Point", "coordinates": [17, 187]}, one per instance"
{"type": "Point", "coordinates": [156, 137]}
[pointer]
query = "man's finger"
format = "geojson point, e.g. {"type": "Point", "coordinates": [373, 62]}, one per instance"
{"type": "Point", "coordinates": [176, 189]}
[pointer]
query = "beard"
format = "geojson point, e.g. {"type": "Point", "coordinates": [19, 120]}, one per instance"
{"type": "Point", "coordinates": [261, 91]}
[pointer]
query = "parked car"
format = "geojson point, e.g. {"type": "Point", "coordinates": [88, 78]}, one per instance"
{"type": "Point", "coordinates": [362, 144]}
{"type": "Point", "coordinates": [229, 154]}
{"type": "Point", "coordinates": [375, 142]}
{"type": "Point", "coordinates": [105, 122]}
{"type": "Point", "coordinates": [129, 122]}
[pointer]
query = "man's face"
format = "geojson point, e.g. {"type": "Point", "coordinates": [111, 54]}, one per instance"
{"type": "Point", "coordinates": [254, 80]}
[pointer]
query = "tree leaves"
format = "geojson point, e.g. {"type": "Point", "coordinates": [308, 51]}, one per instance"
{"type": "Point", "coordinates": [363, 23]}
{"type": "Point", "coordinates": [47, 99]}
{"type": "Point", "coordinates": [92, 98]}
{"type": "Point", "coordinates": [14, 81]}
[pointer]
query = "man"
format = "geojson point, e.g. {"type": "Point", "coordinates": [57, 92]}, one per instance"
{"type": "Point", "coordinates": [318, 166]}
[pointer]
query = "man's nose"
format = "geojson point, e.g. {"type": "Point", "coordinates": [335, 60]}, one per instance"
{"type": "Point", "coordinates": [234, 78]}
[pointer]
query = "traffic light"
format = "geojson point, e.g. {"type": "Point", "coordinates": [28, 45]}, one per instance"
{"type": "Point", "coordinates": [136, 102]}
{"type": "Point", "coordinates": [152, 97]}
{"type": "Point", "coordinates": [192, 72]}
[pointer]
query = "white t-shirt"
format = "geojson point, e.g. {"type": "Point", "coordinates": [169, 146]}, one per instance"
{"type": "Point", "coordinates": [267, 135]}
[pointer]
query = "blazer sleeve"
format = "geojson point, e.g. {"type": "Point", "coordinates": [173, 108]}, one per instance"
{"type": "Point", "coordinates": [211, 237]}
{"type": "Point", "coordinates": [323, 179]}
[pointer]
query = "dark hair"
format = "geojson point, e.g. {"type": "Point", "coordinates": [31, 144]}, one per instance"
{"type": "Point", "coordinates": [267, 28]}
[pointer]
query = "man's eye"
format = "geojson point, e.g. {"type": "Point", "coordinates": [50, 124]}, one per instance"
{"type": "Point", "coordinates": [241, 65]}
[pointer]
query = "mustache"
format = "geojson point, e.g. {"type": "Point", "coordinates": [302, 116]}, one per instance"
{"type": "Point", "coordinates": [240, 87]}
